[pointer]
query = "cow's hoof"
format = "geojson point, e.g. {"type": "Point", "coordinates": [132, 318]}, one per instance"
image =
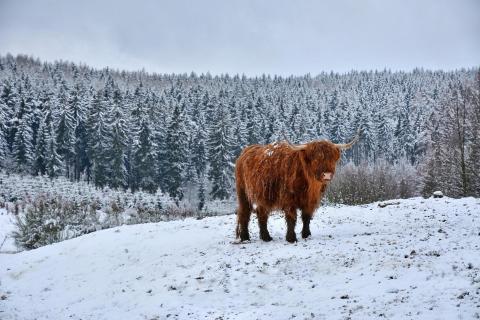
{"type": "Point", "coordinates": [306, 234]}
{"type": "Point", "coordinates": [291, 238]}
{"type": "Point", "coordinates": [244, 237]}
{"type": "Point", "coordinates": [266, 237]}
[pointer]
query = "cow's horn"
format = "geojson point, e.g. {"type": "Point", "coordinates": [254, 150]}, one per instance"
{"type": "Point", "coordinates": [297, 147]}
{"type": "Point", "coordinates": [294, 147]}
{"type": "Point", "coordinates": [346, 146]}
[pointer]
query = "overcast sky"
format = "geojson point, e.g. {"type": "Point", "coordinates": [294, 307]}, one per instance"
{"type": "Point", "coordinates": [246, 36]}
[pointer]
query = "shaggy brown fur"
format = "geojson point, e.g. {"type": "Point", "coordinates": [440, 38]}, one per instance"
{"type": "Point", "coordinates": [279, 177]}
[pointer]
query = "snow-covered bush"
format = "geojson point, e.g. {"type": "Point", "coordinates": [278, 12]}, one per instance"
{"type": "Point", "coordinates": [49, 220]}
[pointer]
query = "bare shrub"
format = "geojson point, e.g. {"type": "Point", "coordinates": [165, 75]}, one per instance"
{"type": "Point", "coordinates": [368, 183]}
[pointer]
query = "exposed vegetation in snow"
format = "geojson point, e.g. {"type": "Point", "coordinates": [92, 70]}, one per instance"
{"type": "Point", "coordinates": [50, 210]}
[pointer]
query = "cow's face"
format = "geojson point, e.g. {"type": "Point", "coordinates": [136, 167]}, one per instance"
{"type": "Point", "coordinates": [321, 158]}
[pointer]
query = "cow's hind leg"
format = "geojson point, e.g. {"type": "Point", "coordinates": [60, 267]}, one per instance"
{"type": "Point", "coordinates": [243, 216]}
{"type": "Point", "coordinates": [291, 218]}
{"type": "Point", "coordinates": [306, 217]}
{"type": "Point", "coordinates": [262, 216]}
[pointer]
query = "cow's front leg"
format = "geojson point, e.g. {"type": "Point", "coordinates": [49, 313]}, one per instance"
{"type": "Point", "coordinates": [306, 225]}
{"type": "Point", "coordinates": [291, 217]}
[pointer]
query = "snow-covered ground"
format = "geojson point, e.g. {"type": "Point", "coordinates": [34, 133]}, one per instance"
{"type": "Point", "coordinates": [6, 227]}
{"type": "Point", "coordinates": [419, 259]}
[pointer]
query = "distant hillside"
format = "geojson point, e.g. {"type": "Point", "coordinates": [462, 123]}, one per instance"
{"type": "Point", "coordinates": [182, 133]}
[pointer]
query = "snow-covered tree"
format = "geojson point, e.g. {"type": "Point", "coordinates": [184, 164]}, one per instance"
{"type": "Point", "coordinates": [23, 141]}
{"type": "Point", "coordinates": [118, 142]}
{"type": "Point", "coordinates": [99, 142]}
{"type": "Point", "coordinates": [176, 154]}
{"type": "Point", "coordinates": [65, 129]}
{"type": "Point", "coordinates": [220, 154]}
{"type": "Point", "coordinates": [9, 101]}
{"type": "Point", "coordinates": [53, 159]}
{"type": "Point", "coordinates": [144, 159]}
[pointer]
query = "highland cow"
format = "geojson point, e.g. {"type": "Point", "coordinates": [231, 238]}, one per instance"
{"type": "Point", "coordinates": [286, 177]}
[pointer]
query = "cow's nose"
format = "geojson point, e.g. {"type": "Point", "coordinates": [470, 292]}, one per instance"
{"type": "Point", "coordinates": [327, 176]}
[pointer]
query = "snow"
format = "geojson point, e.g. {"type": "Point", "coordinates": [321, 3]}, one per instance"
{"type": "Point", "coordinates": [269, 152]}
{"type": "Point", "coordinates": [417, 259]}
{"type": "Point", "coordinates": [7, 244]}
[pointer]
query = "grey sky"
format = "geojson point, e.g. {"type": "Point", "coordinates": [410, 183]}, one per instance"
{"type": "Point", "coordinates": [246, 36]}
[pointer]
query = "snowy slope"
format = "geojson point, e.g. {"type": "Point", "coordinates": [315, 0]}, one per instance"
{"type": "Point", "coordinates": [419, 259]}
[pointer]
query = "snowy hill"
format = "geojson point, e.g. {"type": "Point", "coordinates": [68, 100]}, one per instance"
{"type": "Point", "coordinates": [417, 259]}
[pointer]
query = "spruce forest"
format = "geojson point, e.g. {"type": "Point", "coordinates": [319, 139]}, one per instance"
{"type": "Point", "coordinates": [181, 133]}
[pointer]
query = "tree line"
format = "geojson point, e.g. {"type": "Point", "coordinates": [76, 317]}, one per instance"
{"type": "Point", "coordinates": [181, 133]}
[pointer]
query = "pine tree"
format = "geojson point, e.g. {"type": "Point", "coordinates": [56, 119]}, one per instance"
{"type": "Point", "coordinates": [144, 159]}
{"type": "Point", "coordinates": [65, 129]}
{"type": "Point", "coordinates": [279, 130]}
{"type": "Point", "coordinates": [252, 124]}
{"type": "Point", "coordinates": [3, 149]}
{"type": "Point", "coordinates": [239, 130]}
{"type": "Point", "coordinates": [41, 149]}
{"type": "Point", "coordinates": [201, 193]}
{"type": "Point", "coordinates": [43, 117]}
{"type": "Point", "coordinates": [3, 143]}
{"type": "Point", "coordinates": [383, 135]}
{"type": "Point", "coordinates": [199, 149]}
{"type": "Point", "coordinates": [365, 150]}
{"type": "Point", "coordinates": [176, 139]}
{"type": "Point", "coordinates": [47, 160]}
{"type": "Point", "coordinates": [220, 156]}
{"type": "Point", "coordinates": [117, 150]}
{"type": "Point", "coordinates": [3, 132]}
{"type": "Point", "coordinates": [53, 160]}
{"type": "Point", "coordinates": [98, 137]}
{"type": "Point", "coordinates": [134, 106]}
{"type": "Point", "coordinates": [77, 103]}
{"type": "Point", "coordinates": [338, 129]}
{"type": "Point", "coordinates": [190, 173]}
{"type": "Point", "coordinates": [22, 144]}
{"type": "Point", "coordinates": [404, 132]}
{"type": "Point", "coordinates": [9, 101]}
{"type": "Point", "coordinates": [34, 106]}
{"type": "Point", "coordinates": [160, 128]}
